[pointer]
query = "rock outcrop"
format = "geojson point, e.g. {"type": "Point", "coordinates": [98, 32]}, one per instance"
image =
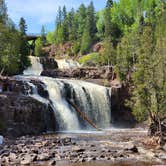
{"type": "Point", "coordinates": [91, 72]}
{"type": "Point", "coordinates": [48, 63]}
{"type": "Point", "coordinates": [121, 114]}
{"type": "Point", "coordinates": [21, 114]}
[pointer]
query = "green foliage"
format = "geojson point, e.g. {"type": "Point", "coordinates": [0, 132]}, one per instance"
{"type": "Point", "coordinates": [90, 59]}
{"type": "Point", "coordinates": [38, 47]}
{"type": "Point", "coordinates": [3, 12]}
{"type": "Point", "coordinates": [81, 17]}
{"type": "Point", "coordinates": [43, 36]}
{"type": "Point", "coordinates": [86, 42]}
{"type": "Point", "coordinates": [9, 50]}
{"type": "Point", "coordinates": [22, 26]}
{"type": "Point", "coordinates": [24, 49]}
{"type": "Point", "coordinates": [13, 46]}
{"type": "Point", "coordinates": [50, 37]}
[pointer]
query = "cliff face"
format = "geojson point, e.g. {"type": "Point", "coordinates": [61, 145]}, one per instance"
{"type": "Point", "coordinates": [121, 114]}
{"type": "Point", "coordinates": [21, 114]}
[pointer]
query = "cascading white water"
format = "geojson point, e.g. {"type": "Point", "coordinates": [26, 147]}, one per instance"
{"type": "Point", "coordinates": [92, 99]}
{"type": "Point", "coordinates": [36, 68]}
{"type": "Point", "coordinates": [67, 64]}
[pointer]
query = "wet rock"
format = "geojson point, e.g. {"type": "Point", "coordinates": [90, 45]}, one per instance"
{"type": "Point", "coordinates": [1, 139]}
{"type": "Point", "coordinates": [52, 162]}
{"type": "Point", "coordinates": [162, 156]}
{"type": "Point", "coordinates": [164, 147]}
{"type": "Point", "coordinates": [27, 159]}
{"type": "Point", "coordinates": [43, 157]}
{"type": "Point", "coordinates": [22, 115]}
{"type": "Point", "coordinates": [12, 156]}
{"type": "Point", "coordinates": [132, 148]}
{"type": "Point", "coordinates": [79, 150]}
{"type": "Point", "coordinates": [88, 73]}
{"type": "Point", "coordinates": [48, 63]}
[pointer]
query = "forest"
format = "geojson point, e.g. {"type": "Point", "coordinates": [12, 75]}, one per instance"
{"type": "Point", "coordinates": [133, 38]}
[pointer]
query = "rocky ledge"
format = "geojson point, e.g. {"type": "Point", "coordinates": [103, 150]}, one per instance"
{"type": "Point", "coordinates": [86, 73]}
{"type": "Point", "coordinates": [48, 63]}
{"type": "Point", "coordinates": [21, 114]}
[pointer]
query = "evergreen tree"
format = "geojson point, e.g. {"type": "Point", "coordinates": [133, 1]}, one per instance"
{"type": "Point", "coordinates": [22, 26]}
{"type": "Point", "coordinates": [143, 76]}
{"type": "Point", "coordinates": [59, 18]}
{"type": "Point", "coordinates": [72, 25]}
{"type": "Point", "coordinates": [24, 49]}
{"type": "Point", "coordinates": [3, 12]}
{"type": "Point", "coordinates": [109, 4]}
{"type": "Point", "coordinates": [65, 30]}
{"type": "Point", "coordinates": [91, 20]}
{"type": "Point", "coordinates": [108, 55]}
{"type": "Point", "coordinates": [90, 30]}
{"type": "Point", "coordinates": [43, 36]}
{"type": "Point", "coordinates": [64, 13]}
{"type": "Point", "coordinates": [81, 19]}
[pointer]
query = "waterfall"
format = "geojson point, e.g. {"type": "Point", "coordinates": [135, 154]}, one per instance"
{"type": "Point", "coordinates": [93, 100]}
{"type": "Point", "coordinates": [67, 64]}
{"type": "Point", "coordinates": [36, 68]}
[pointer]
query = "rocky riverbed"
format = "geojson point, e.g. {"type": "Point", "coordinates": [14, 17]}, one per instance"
{"type": "Point", "coordinates": [110, 147]}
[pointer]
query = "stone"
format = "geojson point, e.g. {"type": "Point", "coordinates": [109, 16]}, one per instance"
{"type": "Point", "coordinates": [131, 147]}
{"type": "Point", "coordinates": [43, 157]}
{"type": "Point", "coordinates": [27, 159]}
{"type": "Point", "coordinates": [52, 162]}
{"type": "Point", "coordinates": [164, 147]}
{"type": "Point", "coordinates": [12, 156]}
{"type": "Point", "coordinates": [23, 115]}
{"type": "Point", "coordinates": [1, 139]}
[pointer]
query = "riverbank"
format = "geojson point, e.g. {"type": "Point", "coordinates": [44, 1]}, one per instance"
{"type": "Point", "coordinates": [110, 147]}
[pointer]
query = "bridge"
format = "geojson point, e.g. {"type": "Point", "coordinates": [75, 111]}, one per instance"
{"type": "Point", "coordinates": [31, 38]}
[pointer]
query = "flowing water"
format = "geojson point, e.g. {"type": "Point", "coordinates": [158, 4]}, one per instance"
{"type": "Point", "coordinates": [67, 64]}
{"type": "Point", "coordinates": [93, 100]}
{"type": "Point", "coordinates": [36, 67]}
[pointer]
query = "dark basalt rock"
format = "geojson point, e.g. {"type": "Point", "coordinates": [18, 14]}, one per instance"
{"type": "Point", "coordinates": [121, 115]}
{"type": "Point", "coordinates": [48, 63]}
{"type": "Point", "coordinates": [87, 73]}
{"type": "Point", "coordinates": [21, 114]}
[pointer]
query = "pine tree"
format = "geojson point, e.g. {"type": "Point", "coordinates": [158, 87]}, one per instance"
{"type": "Point", "coordinates": [43, 36]}
{"type": "Point", "coordinates": [108, 52]}
{"type": "Point", "coordinates": [22, 26]}
{"type": "Point", "coordinates": [59, 18]}
{"type": "Point", "coordinates": [65, 30]}
{"type": "Point", "coordinates": [24, 49]}
{"type": "Point", "coordinates": [64, 13]}
{"type": "Point", "coordinates": [109, 4]}
{"type": "Point", "coordinates": [92, 20]}
{"type": "Point", "coordinates": [3, 12]}
{"type": "Point", "coordinates": [143, 76]}
{"type": "Point", "coordinates": [81, 19]}
{"type": "Point", "coordinates": [72, 25]}
{"type": "Point", "coordinates": [90, 30]}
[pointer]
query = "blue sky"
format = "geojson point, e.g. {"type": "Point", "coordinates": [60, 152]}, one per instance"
{"type": "Point", "coordinates": [43, 12]}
